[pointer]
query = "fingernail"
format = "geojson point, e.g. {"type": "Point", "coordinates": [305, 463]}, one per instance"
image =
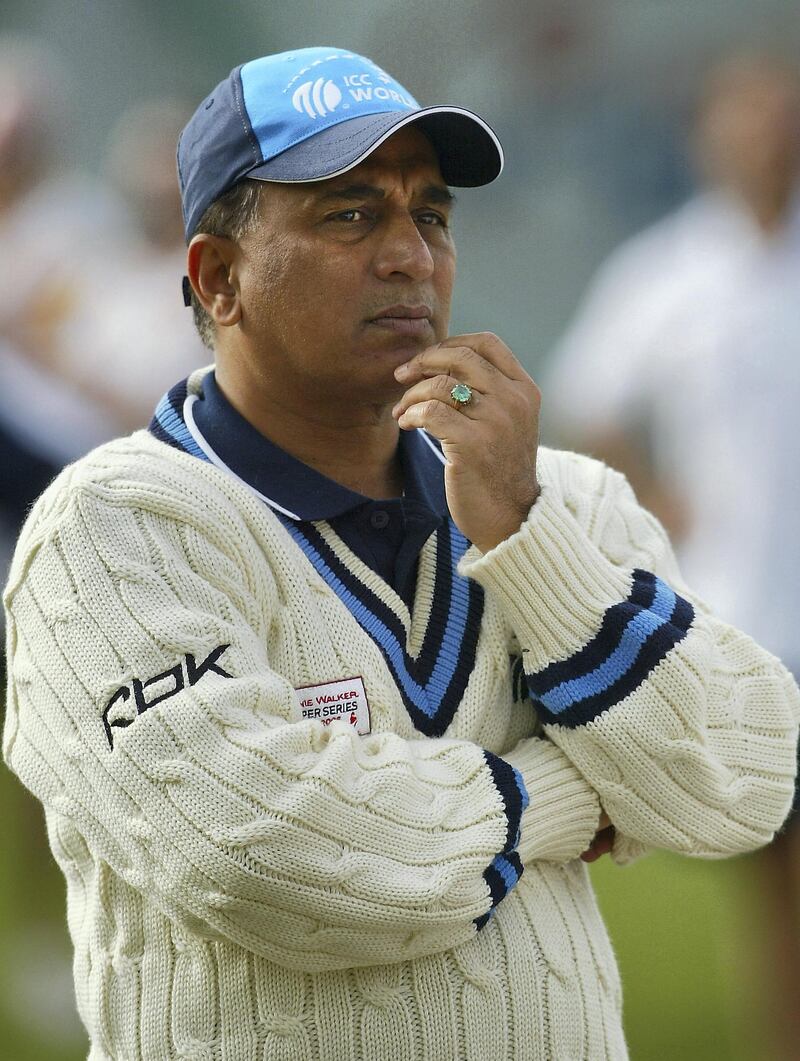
{"type": "Point", "coordinates": [394, 411]}
{"type": "Point", "coordinates": [401, 371]}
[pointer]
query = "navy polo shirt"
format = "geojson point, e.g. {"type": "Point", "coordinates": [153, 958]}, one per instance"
{"type": "Point", "coordinates": [386, 534]}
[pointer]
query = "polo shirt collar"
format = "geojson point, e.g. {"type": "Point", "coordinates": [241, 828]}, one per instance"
{"type": "Point", "coordinates": [293, 486]}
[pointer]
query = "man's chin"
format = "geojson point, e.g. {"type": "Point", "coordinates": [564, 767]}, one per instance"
{"type": "Point", "coordinates": [396, 352]}
{"type": "Point", "coordinates": [377, 387]}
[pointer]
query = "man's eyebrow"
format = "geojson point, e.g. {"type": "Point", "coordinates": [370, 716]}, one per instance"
{"type": "Point", "coordinates": [437, 193]}
{"type": "Point", "coordinates": [354, 191]}
{"type": "Point", "coordinates": [433, 193]}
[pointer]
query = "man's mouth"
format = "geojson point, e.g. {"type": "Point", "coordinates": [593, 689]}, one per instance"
{"type": "Point", "coordinates": [405, 320]}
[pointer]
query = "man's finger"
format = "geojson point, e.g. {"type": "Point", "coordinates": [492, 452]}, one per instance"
{"type": "Point", "coordinates": [461, 362]}
{"type": "Point", "coordinates": [438, 419]}
{"type": "Point", "coordinates": [601, 845]}
{"type": "Point", "coordinates": [438, 388]}
{"type": "Point", "coordinates": [492, 348]}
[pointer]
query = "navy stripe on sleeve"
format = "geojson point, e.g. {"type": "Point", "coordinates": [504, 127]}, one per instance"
{"type": "Point", "coordinates": [506, 867]}
{"type": "Point", "coordinates": [634, 636]}
{"type": "Point", "coordinates": [508, 782]}
{"type": "Point", "coordinates": [501, 876]}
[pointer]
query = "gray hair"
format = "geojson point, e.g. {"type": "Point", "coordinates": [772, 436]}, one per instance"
{"type": "Point", "coordinates": [233, 215]}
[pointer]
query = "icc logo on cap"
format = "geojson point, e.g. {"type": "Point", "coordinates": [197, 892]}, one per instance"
{"type": "Point", "coordinates": [316, 98]}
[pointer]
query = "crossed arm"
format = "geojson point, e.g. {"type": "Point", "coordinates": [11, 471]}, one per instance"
{"type": "Point", "coordinates": [240, 821]}
{"type": "Point", "coordinates": [683, 726]}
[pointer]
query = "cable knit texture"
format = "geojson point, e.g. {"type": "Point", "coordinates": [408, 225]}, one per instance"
{"type": "Point", "coordinates": [246, 884]}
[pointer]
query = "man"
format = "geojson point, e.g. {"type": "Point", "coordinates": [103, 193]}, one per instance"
{"type": "Point", "coordinates": [309, 674]}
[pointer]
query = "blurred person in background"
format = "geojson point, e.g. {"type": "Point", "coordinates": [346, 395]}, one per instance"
{"type": "Point", "coordinates": [130, 305]}
{"type": "Point", "coordinates": [682, 369]}
{"type": "Point", "coordinates": [92, 330]}
{"type": "Point", "coordinates": [51, 221]}
{"type": "Point", "coordinates": [94, 327]}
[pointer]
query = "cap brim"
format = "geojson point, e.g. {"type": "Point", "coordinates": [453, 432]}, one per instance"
{"type": "Point", "coordinates": [468, 149]}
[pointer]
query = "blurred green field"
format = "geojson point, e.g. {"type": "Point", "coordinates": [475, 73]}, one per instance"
{"type": "Point", "coordinates": [684, 932]}
{"type": "Point", "coordinates": [686, 935]}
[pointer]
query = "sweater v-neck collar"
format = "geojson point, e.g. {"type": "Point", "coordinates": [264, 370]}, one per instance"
{"type": "Point", "coordinates": [431, 663]}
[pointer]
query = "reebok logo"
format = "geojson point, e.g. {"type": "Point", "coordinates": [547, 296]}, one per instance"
{"type": "Point", "coordinates": [316, 98]}
{"type": "Point", "coordinates": [119, 712]}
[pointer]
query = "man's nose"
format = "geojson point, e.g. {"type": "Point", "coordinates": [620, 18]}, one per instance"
{"type": "Point", "coordinates": [403, 251]}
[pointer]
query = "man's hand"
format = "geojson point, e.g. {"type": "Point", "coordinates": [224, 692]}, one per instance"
{"type": "Point", "coordinates": [490, 444]}
{"type": "Point", "coordinates": [603, 840]}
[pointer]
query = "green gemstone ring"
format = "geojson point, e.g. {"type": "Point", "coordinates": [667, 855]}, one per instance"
{"type": "Point", "coordinates": [461, 394]}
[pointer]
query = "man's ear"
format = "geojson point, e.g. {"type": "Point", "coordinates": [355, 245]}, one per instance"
{"type": "Point", "coordinates": [211, 265]}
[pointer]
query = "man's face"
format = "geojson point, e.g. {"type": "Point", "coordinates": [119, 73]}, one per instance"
{"type": "Point", "coordinates": [345, 279]}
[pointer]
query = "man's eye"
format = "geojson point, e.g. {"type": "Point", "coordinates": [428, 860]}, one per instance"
{"type": "Point", "coordinates": [350, 216]}
{"type": "Point", "coordinates": [431, 217]}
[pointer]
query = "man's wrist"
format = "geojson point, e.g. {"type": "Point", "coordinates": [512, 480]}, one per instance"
{"type": "Point", "coordinates": [551, 581]}
{"type": "Point", "coordinates": [507, 526]}
{"type": "Point", "coordinates": [563, 815]}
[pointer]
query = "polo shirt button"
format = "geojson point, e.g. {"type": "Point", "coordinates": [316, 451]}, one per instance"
{"type": "Point", "coordinates": [379, 519]}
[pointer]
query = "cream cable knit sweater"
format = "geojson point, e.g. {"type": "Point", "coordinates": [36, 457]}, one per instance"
{"type": "Point", "coordinates": [243, 884]}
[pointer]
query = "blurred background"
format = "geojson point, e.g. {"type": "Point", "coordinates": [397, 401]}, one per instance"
{"type": "Point", "coordinates": [640, 254]}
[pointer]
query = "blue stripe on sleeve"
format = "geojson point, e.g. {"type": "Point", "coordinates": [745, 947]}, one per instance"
{"type": "Point", "coordinates": [508, 782]}
{"type": "Point", "coordinates": [507, 871]}
{"type": "Point", "coordinates": [501, 876]}
{"type": "Point", "coordinates": [603, 644]}
{"type": "Point", "coordinates": [634, 637]}
{"type": "Point", "coordinates": [506, 867]}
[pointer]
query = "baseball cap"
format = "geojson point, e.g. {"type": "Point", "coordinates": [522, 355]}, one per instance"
{"type": "Point", "coordinates": [313, 113]}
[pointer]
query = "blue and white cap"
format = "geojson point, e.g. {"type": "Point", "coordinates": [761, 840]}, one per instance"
{"type": "Point", "coordinates": [311, 114]}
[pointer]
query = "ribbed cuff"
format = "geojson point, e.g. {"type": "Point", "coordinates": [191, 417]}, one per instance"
{"type": "Point", "coordinates": [563, 814]}
{"type": "Point", "coordinates": [552, 582]}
